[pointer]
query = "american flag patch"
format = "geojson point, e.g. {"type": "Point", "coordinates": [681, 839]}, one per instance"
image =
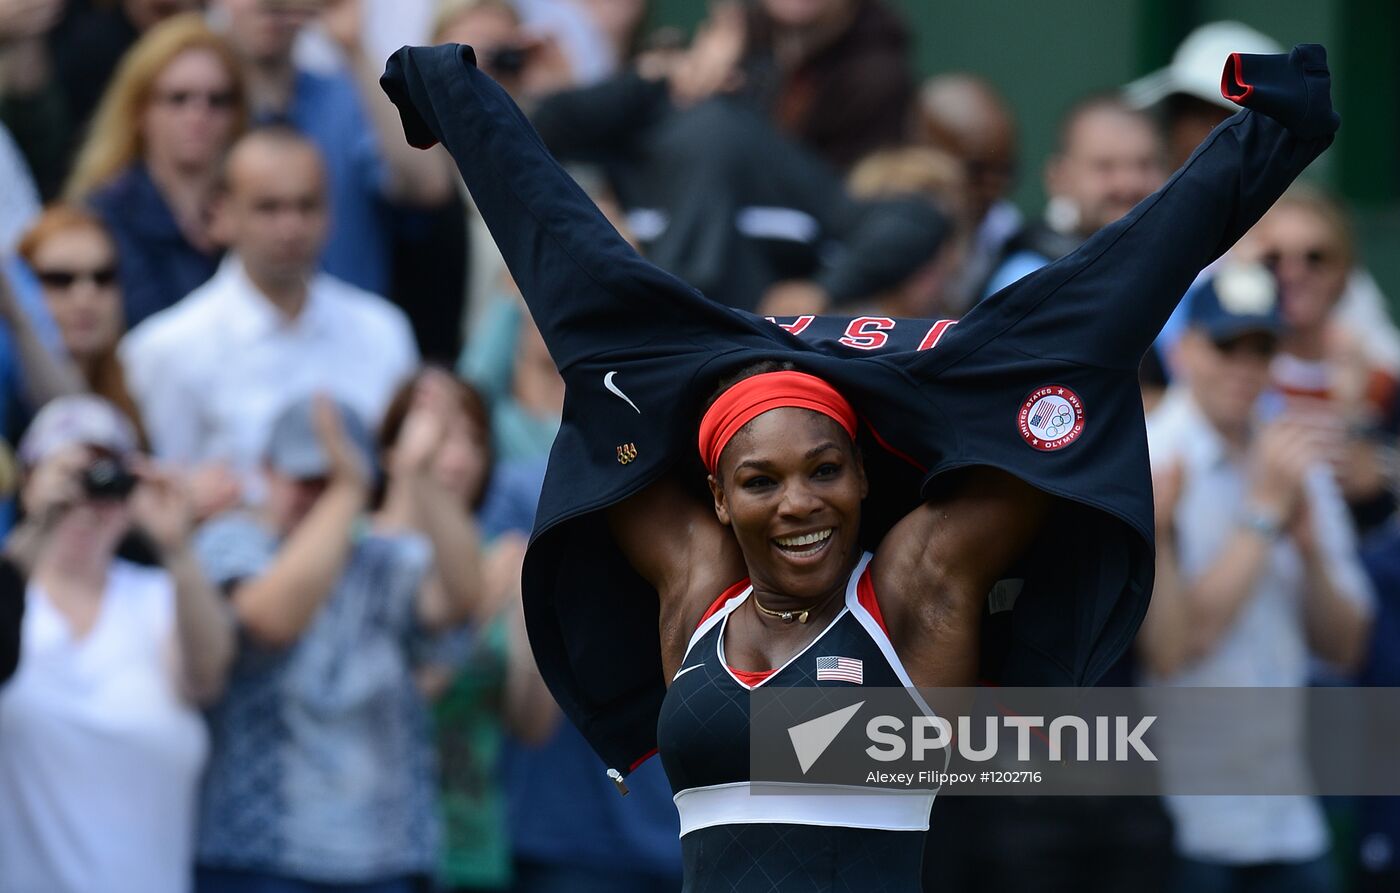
{"type": "Point", "coordinates": [840, 669]}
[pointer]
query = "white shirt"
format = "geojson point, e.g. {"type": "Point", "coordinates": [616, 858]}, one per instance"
{"type": "Point", "coordinates": [390, 24]}
{"type": "Point", "coordinates": [1362, 312]}
{"type": "Point", "coordinates": [1266, 645]}
{"type": "Point", "coordinates": [212, 372]}
{"type": "Point", "coordinates": [99, 758]}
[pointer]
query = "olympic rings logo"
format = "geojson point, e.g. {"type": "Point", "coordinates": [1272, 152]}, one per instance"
{"type": "Point", "coordinates": [1060, 422]}
{"type": "Point", "coordinates": [1051, 417]}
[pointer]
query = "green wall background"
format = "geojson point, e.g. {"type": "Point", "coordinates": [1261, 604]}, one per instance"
{"type": "Point", "coordinates": [1045, 54]}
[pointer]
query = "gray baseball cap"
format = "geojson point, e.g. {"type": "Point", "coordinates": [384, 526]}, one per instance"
{"type": "Point", "coordinates": [294, 447]}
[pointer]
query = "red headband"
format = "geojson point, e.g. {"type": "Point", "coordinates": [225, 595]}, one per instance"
{"type": "Point", "coordinates": [754, 396]}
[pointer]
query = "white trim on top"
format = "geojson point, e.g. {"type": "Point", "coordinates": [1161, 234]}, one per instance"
{"type": "Point", "coordinates": [877, 633]}
{"type": "Point", "coordinates": [829, 806]}
{"type": "Point", "coordinates": [716, 617]}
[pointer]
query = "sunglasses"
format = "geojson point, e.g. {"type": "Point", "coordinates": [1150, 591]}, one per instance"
{"type": "Point", "coordinates": [103, 277]}
{"type": "Point", "coordinates": [219, 100]}
{"type": "Point", "coordinates": [1257, 346]}
{"type": "Point", "coordinates": [1313, 259]}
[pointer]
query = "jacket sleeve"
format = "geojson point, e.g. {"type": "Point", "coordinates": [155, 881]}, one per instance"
{"type": "Point", "coordinates": [588, 291]}
{"type": "Point", "coordinates": [1105, 303]}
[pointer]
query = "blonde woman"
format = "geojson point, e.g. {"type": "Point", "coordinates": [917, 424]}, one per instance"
{"type": "Point", "coordinates": [152, 159]}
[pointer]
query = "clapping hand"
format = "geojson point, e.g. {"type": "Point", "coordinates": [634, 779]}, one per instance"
{"type": "Point", "coordinates": [348, 465]}
{"type": "Point", "coordinates": [1282, 457]}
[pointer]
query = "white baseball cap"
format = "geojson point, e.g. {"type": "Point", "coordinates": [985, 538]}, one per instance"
{"type": "Point", "coordinates": [1197, 64]}
{"type": "Point", "coordinates": [76, 419]}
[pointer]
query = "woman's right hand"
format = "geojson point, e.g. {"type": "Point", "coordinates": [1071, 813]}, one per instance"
{"type": "Point", "coordinates": [55, 485]}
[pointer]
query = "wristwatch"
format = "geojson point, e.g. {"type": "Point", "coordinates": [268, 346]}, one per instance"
{"type": "Point", "coordinates": [1264, 523]}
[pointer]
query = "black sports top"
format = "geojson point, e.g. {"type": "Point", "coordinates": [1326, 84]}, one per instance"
{"type": "Point", "coordinates": [807, 840]}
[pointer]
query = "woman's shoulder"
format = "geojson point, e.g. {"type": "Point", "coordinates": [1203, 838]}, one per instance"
{"type": "Point", "coordinates": [127, 185]}
{"type": "Point", "coordinates": [131, 203]}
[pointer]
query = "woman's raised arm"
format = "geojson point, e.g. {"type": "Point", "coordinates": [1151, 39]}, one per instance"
{"type": "Point", "coordinates": [934, 569]}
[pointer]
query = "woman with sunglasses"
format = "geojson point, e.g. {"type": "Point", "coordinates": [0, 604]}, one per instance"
{"type": "Point", "coordinates": [1331, 363]}
{"type": "Point", "coordinates": [151, 161]}
{"type": "Point", "coordinates": [940, 459]}
{"type": "Point", "coordinates": [73, 256]}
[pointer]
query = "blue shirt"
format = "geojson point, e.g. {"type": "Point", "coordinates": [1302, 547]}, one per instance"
{"type": "Point", "coordinates": [158, 265]}
{"type": "Point", "coordinates": [322, 767]}
{"type": "Point", "coordinates": [328, 110]}
{"type": "Point", "coordinates": [12, 404]}
{"type": "Point", "coordinates": [31, 301]}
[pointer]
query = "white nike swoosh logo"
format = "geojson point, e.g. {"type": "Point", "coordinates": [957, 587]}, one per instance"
{"type": "Point", "coordinates": [681, 672]}
{"type": "Point", "coordinates": [608, 383]}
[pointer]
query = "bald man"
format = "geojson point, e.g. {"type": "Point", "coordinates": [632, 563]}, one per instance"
{"type": "Point", "coordinates": [211, 372]}
{"type": "Point", "coordinates": [966, 116]}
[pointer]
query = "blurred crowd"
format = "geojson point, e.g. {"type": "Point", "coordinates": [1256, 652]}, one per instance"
{"type": "Point", "coordinates": [279, 423]}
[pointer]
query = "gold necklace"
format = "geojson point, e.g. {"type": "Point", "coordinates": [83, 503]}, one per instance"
{"type": "Point", "coordinates": [790, 616]}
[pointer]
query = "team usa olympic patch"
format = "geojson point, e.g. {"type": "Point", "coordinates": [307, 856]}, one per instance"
{"type": "Point", "coordinates": [1051, 418]}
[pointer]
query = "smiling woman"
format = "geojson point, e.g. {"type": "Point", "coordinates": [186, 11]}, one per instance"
{"type": "Point", "coordinates": [787, 481]}
{"type": "Point", "coordinates": [1029, 406]}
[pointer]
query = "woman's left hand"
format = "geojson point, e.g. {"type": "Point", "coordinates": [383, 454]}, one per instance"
{"type": "Point", "coordinates": [161, 507]}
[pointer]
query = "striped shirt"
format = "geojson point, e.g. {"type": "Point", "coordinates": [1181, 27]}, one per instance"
{"type": "Point", "coordinates": [322, 766]}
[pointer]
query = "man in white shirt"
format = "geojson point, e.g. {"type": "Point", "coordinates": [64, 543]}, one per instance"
{"type": "Point", "coordinates": [1257, 571]}
{"type": "Point", "coordinates": [211, 372]}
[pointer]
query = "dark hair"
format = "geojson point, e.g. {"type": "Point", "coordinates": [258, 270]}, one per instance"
{"type": "Point", "coordinates": [468, 399]}
{"type": "Point", "coordinates": [762, 367]}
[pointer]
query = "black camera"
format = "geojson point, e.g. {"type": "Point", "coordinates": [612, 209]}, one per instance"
{"type": "Point", "coordinates": [507, 60]}
{"type": "Point", "coordinates": [108, 479]}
